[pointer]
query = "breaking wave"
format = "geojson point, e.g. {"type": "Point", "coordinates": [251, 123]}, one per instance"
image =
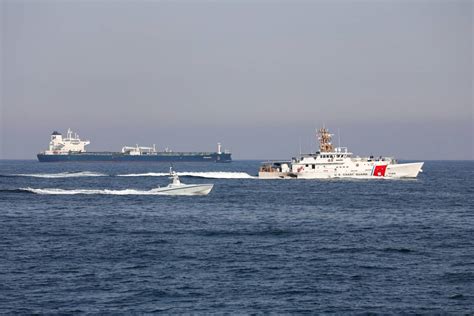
{"type": "Point", "coordinates": [84, 191]}
{"type": "Point", "coordinates": [61, 174]}
{"type": "Point", "coordinates": [207, 175]}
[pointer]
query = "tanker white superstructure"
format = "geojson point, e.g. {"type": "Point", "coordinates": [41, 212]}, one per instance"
{"type": "Point", "coordinates": [63, 146]}
{"type": "Point", "coordinates": [338, 162]}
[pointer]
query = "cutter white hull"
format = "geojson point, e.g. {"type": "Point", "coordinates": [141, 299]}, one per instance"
{"type": "Point", "coordinates": [394, 171]}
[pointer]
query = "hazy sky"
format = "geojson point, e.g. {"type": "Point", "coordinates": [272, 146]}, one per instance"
{"type": "Point", "coordinates": [395, 77]}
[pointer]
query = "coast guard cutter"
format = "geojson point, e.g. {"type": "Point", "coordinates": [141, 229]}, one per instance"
{"type": "Point", "coordinates": [338, 162]}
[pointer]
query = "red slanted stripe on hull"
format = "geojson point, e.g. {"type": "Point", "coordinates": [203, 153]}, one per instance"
{"type": "Point", "coordinates": [379, 171]}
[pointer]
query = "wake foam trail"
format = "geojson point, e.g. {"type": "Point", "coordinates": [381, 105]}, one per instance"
{"type": "Point", "coordinates": [15, 191]}
{"type": "Point", "coordinates": [207, 175]}
{"type": "Point", "coordinates": [217, 175]}
{"type": "Point", "coordinates": [149, 174]}
{"type": "Point", "coordinates": [84, 191]}
{"type": "Point", "coordinates": [61, 175]}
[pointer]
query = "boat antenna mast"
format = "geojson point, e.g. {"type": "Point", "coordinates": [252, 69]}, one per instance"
{"type": "Point", "coordinates": [324, 138]}
{"type": "Point", "coordinates": [339, 138]}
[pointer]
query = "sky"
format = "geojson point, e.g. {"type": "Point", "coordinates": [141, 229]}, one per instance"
{"type": "Point", "coordinates": [391, 77]}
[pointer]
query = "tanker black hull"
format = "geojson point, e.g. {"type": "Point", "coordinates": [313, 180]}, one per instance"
{"type": "Point", "coordinates": [121, 157]}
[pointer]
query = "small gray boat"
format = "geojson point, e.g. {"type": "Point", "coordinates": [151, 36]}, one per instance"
{"type": "Point", "coordinates": [176, 187]}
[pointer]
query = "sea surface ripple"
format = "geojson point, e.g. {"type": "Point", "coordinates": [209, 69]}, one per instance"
{"type": "Point", "coordinates": [251, 246]}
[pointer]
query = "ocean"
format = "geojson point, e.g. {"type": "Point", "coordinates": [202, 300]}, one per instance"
{"type": "Point", "coordinates": [92, 238]}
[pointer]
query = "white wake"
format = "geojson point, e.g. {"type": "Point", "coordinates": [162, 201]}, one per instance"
{"type": "Point", "coordinates": [207, 175]}
{"type": "Point", "coordinates": [84, 191]}
{"type": "Point", "coordinates": [148, 174]}
{"type": "Point", "coordinates": [62, 174]}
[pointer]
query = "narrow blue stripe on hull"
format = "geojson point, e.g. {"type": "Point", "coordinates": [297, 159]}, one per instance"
{"type": "Point", "coordinates": [212, 157]}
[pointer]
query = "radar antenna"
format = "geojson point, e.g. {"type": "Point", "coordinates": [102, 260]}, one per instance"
{"type": "Point", "coordinates": [324, 138]}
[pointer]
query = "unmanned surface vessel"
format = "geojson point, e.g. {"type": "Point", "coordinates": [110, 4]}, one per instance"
{"type": "Point", "coordinates": [176, 187]}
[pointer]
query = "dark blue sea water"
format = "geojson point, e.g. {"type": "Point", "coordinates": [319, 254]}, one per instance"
{"type": "Point", "coordinates": [251, 246]}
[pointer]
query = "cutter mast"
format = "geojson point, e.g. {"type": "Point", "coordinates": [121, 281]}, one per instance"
{"type": "Point", "coordinates": [324, 138]}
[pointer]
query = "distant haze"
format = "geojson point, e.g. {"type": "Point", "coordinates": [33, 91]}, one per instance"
{"type": "Point", "coordinates": [394, 77]}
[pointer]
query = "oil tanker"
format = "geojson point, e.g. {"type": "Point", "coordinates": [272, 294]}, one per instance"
{"type": "Point", "coordinates": [72, 148]}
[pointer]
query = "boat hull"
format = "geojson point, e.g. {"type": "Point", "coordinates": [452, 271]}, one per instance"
{"type": "Point", "coordinates": [391, 171]}
{"type": "Point", "coordinates": [276, 175]}
{"type": "Point", "coordinates": [120, 157]}
{"type": "Point", "coordinates": [404, 170]}
{"type": "Point", "coordinates": [185, 189]}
